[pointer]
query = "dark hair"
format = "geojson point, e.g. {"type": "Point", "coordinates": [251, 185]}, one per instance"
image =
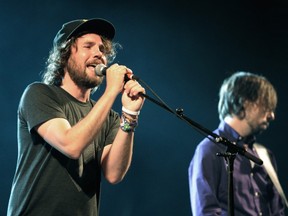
{"type": "Point", "coordinates": [59, 55]}
{"type": "Point", "coordinates": [244, 87]}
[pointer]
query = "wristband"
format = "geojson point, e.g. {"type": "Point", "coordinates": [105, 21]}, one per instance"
{"type": "Point", "coordinates": [130, 112]}
{"type": "Point", "coordinates": [128, 125]}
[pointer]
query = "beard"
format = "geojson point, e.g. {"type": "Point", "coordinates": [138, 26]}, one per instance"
{"type": "Point", "coordinates": [80, 77]}
{"type": "Point", "coordinates": [260, 128]}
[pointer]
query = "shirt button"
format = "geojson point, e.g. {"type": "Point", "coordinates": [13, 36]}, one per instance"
{"type": "Point", "coordinates": [256, 194]}
{"type": "Point", "coordinates": [260, 214]}
{"type": "Point", "coordinates": [251, 174]}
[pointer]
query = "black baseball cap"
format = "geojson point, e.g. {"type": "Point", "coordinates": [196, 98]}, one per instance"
{"type": "Point", "coordinates": [94, 25]}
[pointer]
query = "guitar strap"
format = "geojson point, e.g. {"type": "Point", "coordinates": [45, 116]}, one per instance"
{"type": "Point", "coordinates": [263, 155]}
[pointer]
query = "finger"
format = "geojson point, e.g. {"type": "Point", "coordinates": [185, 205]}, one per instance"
{"type": "Point", "coordinates": [129, 85]}
{"type": "Point", "coordinates": [136, 90]}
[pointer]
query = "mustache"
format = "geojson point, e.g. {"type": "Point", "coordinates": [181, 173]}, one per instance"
{"type": "Point", "coordinates": [94, 63]}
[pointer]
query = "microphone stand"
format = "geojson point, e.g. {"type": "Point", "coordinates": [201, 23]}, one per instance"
{"type": "Point", "coordinates": [231, 152]}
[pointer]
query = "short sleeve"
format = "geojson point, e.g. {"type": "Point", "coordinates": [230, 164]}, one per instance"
{"type": "Point", "coordinates": [39, 104]}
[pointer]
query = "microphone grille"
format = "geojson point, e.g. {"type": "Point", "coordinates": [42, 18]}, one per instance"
{"type": "Point", "coordinates": [100, 69]}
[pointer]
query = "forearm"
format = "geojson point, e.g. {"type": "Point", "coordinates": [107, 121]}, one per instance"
{"type": "Point", "coordinates": [89, 127]}
{"type": "Point", "coordinates": [116, 158]}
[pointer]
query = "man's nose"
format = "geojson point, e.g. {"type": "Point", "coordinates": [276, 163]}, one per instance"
{"type": "Point", "coordinates": [270, 115]}
{"type": "Point", "coordinates": [97, 52]}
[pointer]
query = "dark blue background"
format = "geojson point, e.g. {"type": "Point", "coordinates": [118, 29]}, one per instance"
{"type": "Point", "coordinates": [183, 50]}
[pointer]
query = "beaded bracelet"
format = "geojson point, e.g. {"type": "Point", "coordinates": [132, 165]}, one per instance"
{"type": "Point", "coordinates": [128, 125]}
{"type": "Point", "coordinates": [129, 111]}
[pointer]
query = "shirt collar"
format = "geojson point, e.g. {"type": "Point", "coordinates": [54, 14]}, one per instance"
{"type": "Point", "coordinates": [233, 136]}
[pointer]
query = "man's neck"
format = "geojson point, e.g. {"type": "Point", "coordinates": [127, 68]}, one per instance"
{"type": "Point", "coordinates": [239, 125]}
{"type": "Point", "coordinates": [80, 94]}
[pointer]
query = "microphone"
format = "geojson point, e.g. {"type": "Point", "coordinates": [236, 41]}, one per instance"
{"type": "Point", "coordinates": [100, 70]}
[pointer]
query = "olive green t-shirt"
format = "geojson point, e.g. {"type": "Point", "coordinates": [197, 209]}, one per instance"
{"type": "Point", "coordinates": [46, 182]}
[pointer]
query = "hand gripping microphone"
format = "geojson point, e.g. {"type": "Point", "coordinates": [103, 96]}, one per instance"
{"type": "Point", "coordinates": [100, 70]}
